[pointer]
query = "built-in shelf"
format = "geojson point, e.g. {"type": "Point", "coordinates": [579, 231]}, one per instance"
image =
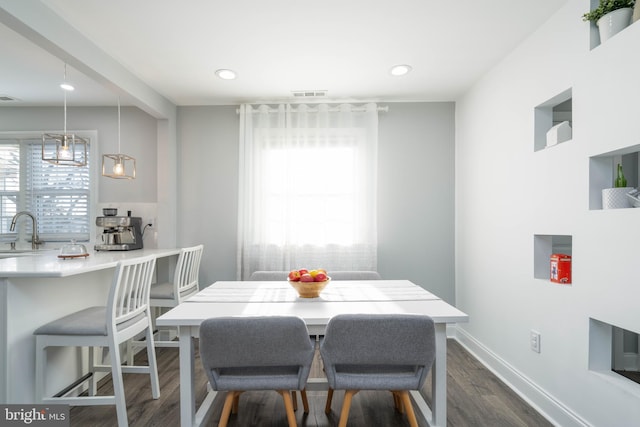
{"type": "Point", "coordinates": [603, 170]}
{"type": "Point", "coordinates": [543, 246]}
{"type": "Point", "coordinates": [594, 32]}
{"type": "Point", "coordinates": [553, 117]}
{"type": "Point", "coordinates": [615, 353]}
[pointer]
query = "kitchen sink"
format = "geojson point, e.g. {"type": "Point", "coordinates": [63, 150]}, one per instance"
{"type": "Point", "coordinates": [10, 253]}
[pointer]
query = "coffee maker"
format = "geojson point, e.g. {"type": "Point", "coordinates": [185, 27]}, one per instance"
{"type": "Point", "coordinates": [119, 233]}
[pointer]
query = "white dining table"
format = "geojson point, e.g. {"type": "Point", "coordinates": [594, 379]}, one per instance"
{"type": "Point", "coordinates": [256, 298]}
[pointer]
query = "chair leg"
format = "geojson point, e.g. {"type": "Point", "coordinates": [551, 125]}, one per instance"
{"type": "Point", "coordinates": [236, 402]}
{"type": "Point", "coordinates": [226, 409]}
{"type": "Point", "coordinates": [327, 406]}
{"type": "Point", "coordinates": [153, 365]}
{"type": "Point", "coordinates": [346, 406]}
{"type": "Point", "coordinates": [288, 406]}
{"type": "Point", "coordinates": [305, 402]}
{"type": "Point", "coordinates": [41, 360]}
{"type": "Point", "coordinates": [397, 401]}
{"type": "Point", "coordinates": [303, 396]}
{"type": "Point", "coordinates": [118, 385]}
{"type": "Point", "coordinates": [406, 399]}
{"type": "Point", "coordinates": [93, 383]}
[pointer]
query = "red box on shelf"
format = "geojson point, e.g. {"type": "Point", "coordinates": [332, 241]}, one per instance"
{"type": "Point", "coordinates": [561, 268]}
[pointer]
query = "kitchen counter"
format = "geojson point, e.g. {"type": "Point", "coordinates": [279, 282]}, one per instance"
{"type": "Point", "coordinates": [39, 288]}
{"type": "Point", "coordinates": [47, 263]}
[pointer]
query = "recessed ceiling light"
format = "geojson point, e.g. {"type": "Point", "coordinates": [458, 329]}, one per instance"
{"type": "Point", "coordinates": [226, 74]}
{"type": "Point", "coordinates": [66, 86]}
{"type": "Point", "coordinates": [400, 70]}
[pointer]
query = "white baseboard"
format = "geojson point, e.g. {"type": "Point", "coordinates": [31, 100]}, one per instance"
{"type": "Point", "coordinates": [548, 406]}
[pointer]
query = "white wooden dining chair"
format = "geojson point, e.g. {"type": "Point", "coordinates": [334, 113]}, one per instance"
{"type": "Point", "coordinates": [184, 284]}
{"type": "Point", "coordinates": [125, 315]}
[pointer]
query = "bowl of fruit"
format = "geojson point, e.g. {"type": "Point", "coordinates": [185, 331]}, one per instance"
{"type": "Point", "coordinates": [308, 283]}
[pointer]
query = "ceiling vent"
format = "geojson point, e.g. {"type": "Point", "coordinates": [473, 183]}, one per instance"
{"type": "Point", "coordinates": [309, 93]}
{"type": "Point", "coordinates": [7, 98]}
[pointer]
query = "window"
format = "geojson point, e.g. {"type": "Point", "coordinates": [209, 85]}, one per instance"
{"type": "Point", "coordinates": [308, 188]}
{"type": "Point", "coordinates": [58, 196]}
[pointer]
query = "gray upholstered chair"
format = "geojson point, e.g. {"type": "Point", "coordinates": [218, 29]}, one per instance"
{"type": "Point", "coordinates": [335, 275]}
{"type": "Point", "coordinates": [256, 353]}
{"type": "Point", "coordinates": [355, 275]}
{"type": "Point", "coordinates": [125, 315]}
{"type": "Point", "coordinates": [377, 352]}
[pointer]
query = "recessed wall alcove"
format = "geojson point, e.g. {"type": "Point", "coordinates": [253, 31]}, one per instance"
{"type": "Point", "coordinates": [603, 170]}
{"type": "Point", "coordinates": [543, 246]}
{"type": "Point", "coordinates": [615, 353]}
{"type": "Point", "coordinates": [550, 113]}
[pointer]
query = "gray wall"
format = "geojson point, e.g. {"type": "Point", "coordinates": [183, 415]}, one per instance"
{"type": "Point", "coordinates": [208, 187]}
{"type": "Point", "coordinates": [138, 139]}
{"type": "Point", "coordinates": [416, 195]}
{"type": "Point", "coordinates": [415, 191]}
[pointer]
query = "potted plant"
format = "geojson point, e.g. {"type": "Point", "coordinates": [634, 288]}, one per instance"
{"type": "Point", "coordinates": [611, 16]}
{"type": "Point", "coordinates": [615, 198]}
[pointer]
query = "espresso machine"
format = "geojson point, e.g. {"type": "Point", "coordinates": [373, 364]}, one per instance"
{"type": "Point", "coordinates": [119, 233]}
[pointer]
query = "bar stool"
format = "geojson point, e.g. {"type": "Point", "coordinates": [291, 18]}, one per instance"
{"type": "Point", "coordinates": [125, 315]}
{"type": "Point", "coordinates": [184, 284]}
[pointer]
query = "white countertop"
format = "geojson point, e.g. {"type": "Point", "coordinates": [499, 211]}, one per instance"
{"type": "Point", "coordinates": [47, 264]}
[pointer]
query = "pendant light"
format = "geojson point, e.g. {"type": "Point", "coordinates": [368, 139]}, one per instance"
{"type": "Point", "coordinates": [118, 166]}
{"type": "Point", "coordinates": [64, 149]}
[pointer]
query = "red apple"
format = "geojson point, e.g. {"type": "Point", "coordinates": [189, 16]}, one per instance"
{"type": "Point", "coordinates": [303, 271]}
{"type": "Point", "coordinates": [294, 275]}
{"type": "Point", "coordinates": [306, 277]}
{"type": "Point", "coordinates": [320, 277]}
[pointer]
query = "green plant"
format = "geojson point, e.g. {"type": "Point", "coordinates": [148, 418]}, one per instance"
{"type": "Point", "coordinates": [605, 7]}
{"type": "Point", "coordinates": [620, 181]}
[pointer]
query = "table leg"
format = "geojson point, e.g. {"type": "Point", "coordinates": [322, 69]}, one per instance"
{"type": "Point", "coordinates": [439, 378]}
{"type": "Point", "coordinates": [187, 378]}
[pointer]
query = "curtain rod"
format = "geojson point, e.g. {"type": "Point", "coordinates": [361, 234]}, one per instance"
{"type": "Point", "coordinates": [315, 110]}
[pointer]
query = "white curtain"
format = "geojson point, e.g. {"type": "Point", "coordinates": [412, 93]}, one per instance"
{"type": "Point", "coordinates": [307, 187]}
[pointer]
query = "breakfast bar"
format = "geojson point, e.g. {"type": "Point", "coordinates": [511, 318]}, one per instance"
{"type": "Point", "coordinates": [39, 288]}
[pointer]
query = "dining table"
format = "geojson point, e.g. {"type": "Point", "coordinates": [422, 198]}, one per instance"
{"type": "Point", "coordinates": [266, 298]}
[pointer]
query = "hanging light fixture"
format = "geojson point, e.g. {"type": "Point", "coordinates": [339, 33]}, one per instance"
{"type": "Point", "coordinates": [64, 149]}
{"type": "Point", "coordinates": [118, 166]}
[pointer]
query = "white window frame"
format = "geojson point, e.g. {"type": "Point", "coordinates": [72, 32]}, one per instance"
{"type": "Point", "coordinates": [23, 226]}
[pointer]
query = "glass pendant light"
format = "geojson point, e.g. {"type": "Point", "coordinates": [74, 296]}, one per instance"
{"type": "Point", "coordinates": [64, 149]}
{"type": "Point", "coordinates": [118, 166]}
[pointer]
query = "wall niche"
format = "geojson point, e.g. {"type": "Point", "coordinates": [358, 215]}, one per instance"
{"type": "Point", "coordinates": [603, 171]}
{"type": "Point", "coordinates": [543, 246]}
{"type": "Point", "coordinates": [553, 121]}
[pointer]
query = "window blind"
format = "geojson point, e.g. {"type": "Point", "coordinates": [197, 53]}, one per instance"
{"type": "Point", "coordinates": [9, 184]}
{"type": "Point", "coordinates": [57, 195]}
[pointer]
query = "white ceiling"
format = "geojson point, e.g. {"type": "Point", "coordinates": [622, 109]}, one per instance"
{"type": "Point", "coordinates": [345, 47]}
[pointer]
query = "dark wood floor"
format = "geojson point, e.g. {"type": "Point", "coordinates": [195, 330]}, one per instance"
{"type": "Point", "coordinates": [475, 397]}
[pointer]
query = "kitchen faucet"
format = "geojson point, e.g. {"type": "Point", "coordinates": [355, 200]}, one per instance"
{"type": "Point", "coordinates": [35, 240]}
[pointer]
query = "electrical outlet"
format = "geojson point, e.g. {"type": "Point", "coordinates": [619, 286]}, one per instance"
{"type": "Point", "coordinates": [534, 338]}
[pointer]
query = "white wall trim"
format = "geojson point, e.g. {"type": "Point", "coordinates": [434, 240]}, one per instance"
{"type": "Point", "coordinates": [543, 402]}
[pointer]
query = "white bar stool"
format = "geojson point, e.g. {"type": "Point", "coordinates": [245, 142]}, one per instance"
{"type": "Point", "coordinates": [125, 315]}
{"type": "Point", "coordinates": [184, 284]}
